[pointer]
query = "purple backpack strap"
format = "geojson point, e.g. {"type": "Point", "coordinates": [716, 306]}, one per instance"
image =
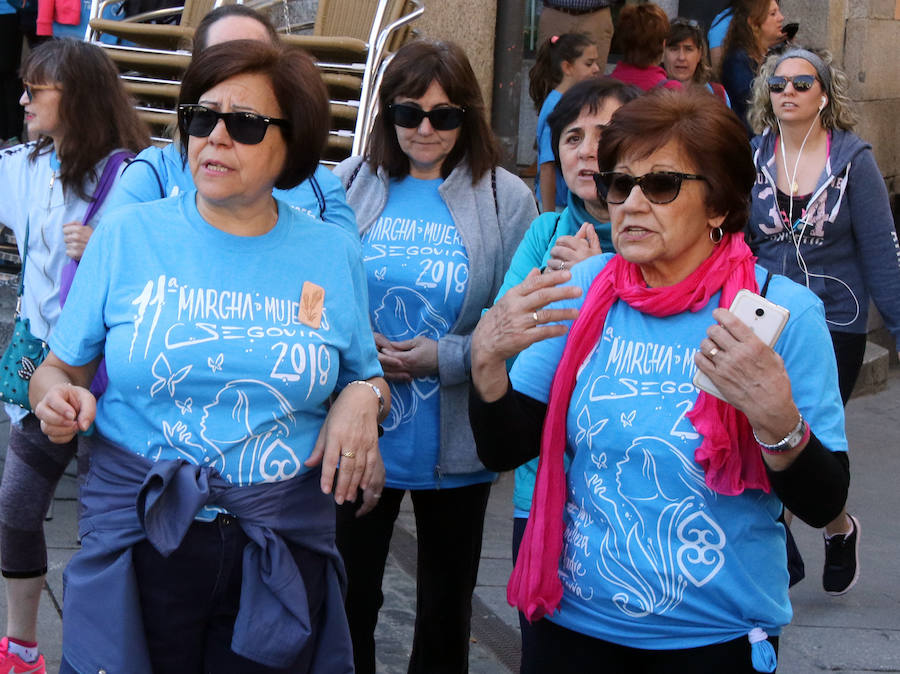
{"type": "Point", "coordinates": [107, 178]}
{"type": "Point", "coordinates": [104, 185]}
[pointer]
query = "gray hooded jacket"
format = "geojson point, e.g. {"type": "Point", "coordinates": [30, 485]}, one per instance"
{"type": "Point", "coordinates": [491, 223]}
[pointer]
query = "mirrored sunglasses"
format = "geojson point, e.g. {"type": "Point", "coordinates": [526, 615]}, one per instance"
{"type": "Point", "coordinates": [444, 118]}
{"type": "Point", "coordinates": [778, 83]}
{"type": "Point", "coordinates": [660, 187]}
{"type": "Point", "coordinates": [246, 128]}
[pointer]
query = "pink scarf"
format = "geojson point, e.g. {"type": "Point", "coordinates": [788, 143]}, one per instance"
{"type": "Point", "coordinates": [534, 586]}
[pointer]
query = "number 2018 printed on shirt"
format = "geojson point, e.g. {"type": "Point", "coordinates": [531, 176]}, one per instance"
{"type": "Point", "coordinates": [292, 361]}
{"type": "Point", "coordinates": [451, 274]}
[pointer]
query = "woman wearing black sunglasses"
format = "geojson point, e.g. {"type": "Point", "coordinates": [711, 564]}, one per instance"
{"type": "Point", "coordinates": [229, 319]}
{"type": "Point", "coordinates": [160, 172]}
{"type": "Point", "coordinates": [653, 542]}
{"type": "Point", "coordinates": [821, 216]}
{"type": "Point", "coordinates": [439, 222]}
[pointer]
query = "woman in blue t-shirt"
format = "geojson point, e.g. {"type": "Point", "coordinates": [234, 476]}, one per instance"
{"type": "Point", "coordinates": [229, 320]}
{"type": "Point", "coordinates": [659, 548]}
{"type": "Point", "coordinates": [161, 172]}
{"type": "Point", "coordinates": [439, 221]}
{"type": "Point", "coordinates": [561, 61]}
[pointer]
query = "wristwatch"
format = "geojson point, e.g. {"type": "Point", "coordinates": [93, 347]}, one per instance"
{"type": "Point", "coordinates": [788, 442]}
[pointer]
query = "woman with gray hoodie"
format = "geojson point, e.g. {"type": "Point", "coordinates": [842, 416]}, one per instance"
{"type": "Point", "coordinates": [439, 222]}
{"type": "Point", "coordinates": [820, 215]}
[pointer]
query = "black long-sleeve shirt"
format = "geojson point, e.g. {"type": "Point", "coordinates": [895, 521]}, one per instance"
{"type": "Point", "coordinates": [508, 433]}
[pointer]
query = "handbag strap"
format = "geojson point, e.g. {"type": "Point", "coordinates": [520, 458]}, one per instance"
{"type": "Point", "coordinates": [107, 178]}
{"type": "Point", "coordinates": [22, 271]}
{"type": "Point", "coordinates": [24, 260]}
{"type": "Point", "coordinates": [136, 160]}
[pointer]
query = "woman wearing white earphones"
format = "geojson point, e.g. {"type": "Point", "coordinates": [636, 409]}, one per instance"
{"type": "Point", "coordinates": [821, 215]}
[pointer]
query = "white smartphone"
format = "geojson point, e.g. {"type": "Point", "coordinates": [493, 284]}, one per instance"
{"type": "Point", "coordinates": [765, 318]}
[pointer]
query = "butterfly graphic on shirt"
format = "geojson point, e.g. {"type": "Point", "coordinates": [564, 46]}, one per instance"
{"type": "Point", "coordinates": [164, 378]}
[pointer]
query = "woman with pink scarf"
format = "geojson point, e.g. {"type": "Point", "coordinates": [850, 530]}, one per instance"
{"type": "Point", "coordinates": [660, 548]}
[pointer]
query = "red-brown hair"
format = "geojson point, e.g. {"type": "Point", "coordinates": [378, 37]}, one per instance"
{"type": "Point", "coordinates": [711, 137]}
{"type": "Point", "coordinates": [641, 33]}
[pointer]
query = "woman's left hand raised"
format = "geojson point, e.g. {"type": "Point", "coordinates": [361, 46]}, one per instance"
{"type": "Point", "coordinates": [570, 249]}
{"type": "Point", "coordinates": [348, 445]}
{"type": "Point", "coordinates": [749, 374]}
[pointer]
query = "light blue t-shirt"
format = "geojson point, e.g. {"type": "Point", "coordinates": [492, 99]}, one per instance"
{"type": "Point", "coordinates": [545, 152]}
{"type": "Point", "coordinates": [652, 558]}
{"type": "Point", "coordinates": [210, 339]}
{"type": "Point", "coordinates": [418, 271]}
{"type": "Point", "coordinates": [719, 28]}
{"type": "Point", "coordinates": [158, 170]}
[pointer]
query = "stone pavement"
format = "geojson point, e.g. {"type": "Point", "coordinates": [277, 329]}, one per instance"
{"type": "Point", "coordinates": [856, 633]}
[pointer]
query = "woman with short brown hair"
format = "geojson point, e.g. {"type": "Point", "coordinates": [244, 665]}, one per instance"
{"type": "Point", "coordinates": [244, 389]}
{"type": "Point", "coordinates": [654, 542]}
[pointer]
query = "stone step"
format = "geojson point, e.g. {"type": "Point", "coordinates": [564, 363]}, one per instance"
{"type": "Point", "coordinates": [874, 373]}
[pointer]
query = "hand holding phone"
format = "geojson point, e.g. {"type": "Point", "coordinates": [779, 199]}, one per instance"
{"type": "Point", "coordinates": [766, 319]}
{"type": "Point", "coordinates": [789, 30]}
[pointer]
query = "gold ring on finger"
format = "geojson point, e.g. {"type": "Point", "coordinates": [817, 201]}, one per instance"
{"type": "Point", "coordinates": [713, 351]}
{"type": "Point", "coordinates": [534, 315]}
{"type": "Point", "coordinates": [348, 454]}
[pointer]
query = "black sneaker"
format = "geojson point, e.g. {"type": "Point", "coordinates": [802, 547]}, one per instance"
{"type": "Point", "coordinates": [841, 560]}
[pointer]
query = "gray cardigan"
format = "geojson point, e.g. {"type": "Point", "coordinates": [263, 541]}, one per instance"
{"type": "Point", "coordinates": [490, 242]}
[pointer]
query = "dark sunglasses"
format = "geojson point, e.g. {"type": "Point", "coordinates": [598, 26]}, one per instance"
{"type": "Point", "coordinates": [31, 88]}
{"type": "Point", "coordinates": [680, 21]}
{"type": "Point", "coordinates": [444, 118]}
{"type": "Point", "coordinates": [246, 128]}
{"type": "Point", "coordinates": [778, 83]}
{"type": "Point", "coordinates": [660, 187]}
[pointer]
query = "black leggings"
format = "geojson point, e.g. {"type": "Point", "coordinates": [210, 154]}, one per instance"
{"type": "Point", "coordinates": [554, 649]}
{"type": "Point", "coordinates": [849, 351]}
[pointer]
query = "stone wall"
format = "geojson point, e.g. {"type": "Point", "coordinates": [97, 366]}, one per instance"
{"type": "Point", "coordinates": [469, 23]}
{"type": "Point", "coordinates": [864, 36]}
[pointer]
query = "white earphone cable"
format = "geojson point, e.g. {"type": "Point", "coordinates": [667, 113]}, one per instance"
{"type": "Point", "coordinates": [797, 238]}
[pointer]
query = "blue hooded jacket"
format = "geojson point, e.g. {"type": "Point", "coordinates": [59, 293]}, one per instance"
{"type": "Point", "coordinates": [846, 237]}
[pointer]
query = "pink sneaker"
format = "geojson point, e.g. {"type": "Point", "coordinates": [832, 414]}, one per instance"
{"type": "Point", "coordinates": [10, 663]}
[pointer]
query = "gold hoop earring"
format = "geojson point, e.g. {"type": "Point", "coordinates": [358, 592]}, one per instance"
{"type": "Point", "coordinates": [716, 234]}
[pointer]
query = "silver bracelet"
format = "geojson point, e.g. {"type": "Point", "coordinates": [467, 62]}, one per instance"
{"type": "Point", "coordinates": [376, 390]}
{"type": "Point", "coordinates": [788, 442]}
